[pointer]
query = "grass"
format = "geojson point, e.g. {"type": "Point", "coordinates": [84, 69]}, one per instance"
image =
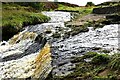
{"type": "Point", "coordinates": [104, 67]}
{"type": "Point", "coordinates": [15, 17]}
{"type": "Point", "coordinates": [82, 10]}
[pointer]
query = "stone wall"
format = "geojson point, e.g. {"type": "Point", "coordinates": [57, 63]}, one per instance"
{"type": "Point", "coordinates": [107, 10]}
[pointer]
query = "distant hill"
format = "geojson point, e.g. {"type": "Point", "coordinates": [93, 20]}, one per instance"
{"type": "Point", "coordinates": [68, 4]}
{"type": "Point", "coordinates": [109, 3]}
{"type": "Point", "coordinates": [54, 5]}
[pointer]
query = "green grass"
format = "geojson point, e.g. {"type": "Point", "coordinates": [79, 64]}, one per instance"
{"type": "Point", "coordinates": [15, 17]}
{"type": "Point", "coordinates": [101, 66]}
{"type": "Point", "coordinates": [19, 18]}
{"type": "Point", "coordinates": [82, 10]}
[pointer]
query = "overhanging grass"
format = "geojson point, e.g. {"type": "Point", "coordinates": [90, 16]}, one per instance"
{"type": "Point", "coordinates": [19, 18]}
{"type": "Point", "coordinates": [15, 17]}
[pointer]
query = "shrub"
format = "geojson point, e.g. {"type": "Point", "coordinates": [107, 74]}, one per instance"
{"type": "Point", "coordinates": [90, 4]}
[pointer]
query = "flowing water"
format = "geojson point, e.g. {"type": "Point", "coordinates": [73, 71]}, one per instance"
{"type": "Point", "coordinates": [22, 57]}
{"type": "Point", "coordinates": [105, 38]}
{"type": "Point", "coordinates": [18, 55]}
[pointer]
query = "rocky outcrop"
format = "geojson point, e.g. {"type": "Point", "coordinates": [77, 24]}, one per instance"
{"type": "Point", "coordinates": [107, 10]}
{"type": "Point", "coordinates": [26, 55]}
{"type": "Point", "coordinates": [64, 51]}
{"type": "Point", "coordinates": [43, 63]}
{"type": "Point", "coordinates": [113, 19]}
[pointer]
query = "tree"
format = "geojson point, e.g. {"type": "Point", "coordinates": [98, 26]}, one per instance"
{"type": "Point", "coordinates": [90, 4]}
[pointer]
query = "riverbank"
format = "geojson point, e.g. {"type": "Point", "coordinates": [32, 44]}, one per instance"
{"type": "Point", "coordinates": [79, 47]}
{"type": "Point", "coordinates": [94, 66]}
{"type": "Point", "coordinates": [15, 17]}
{"type": "Point", "coordinates": [92, 19]}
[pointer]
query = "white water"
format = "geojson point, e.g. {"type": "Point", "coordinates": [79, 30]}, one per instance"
{"type": "Point", "coordinates": [23, 67]}
{"type": "Point", "coordinates": [106, 37]}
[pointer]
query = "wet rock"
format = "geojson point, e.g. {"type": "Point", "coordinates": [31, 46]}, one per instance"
{"type": "Point", "coordinates": [107, 10]}
{"type": "Point", "coordinates": [93, 40]}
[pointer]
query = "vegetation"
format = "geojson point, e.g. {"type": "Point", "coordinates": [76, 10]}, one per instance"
{"type": "Point", "coordinates": [15, 17]}
{"type": "Point", "coordinates": [108, 4]}
{"type": "Point", "coordinates": [100, 59]}
{"type": "Point", "coordinates": [101, 66]}
{"type": "Point", "coordinates": [81, 10]}
{"type": "Point", "coordinates": [76, 29]}
{"type": "Point", "coordinates": [90, 4]}
{"type": "Point", "coordinates": [18, 15]}
{"type": "Point", "coordinates": [115, 62]}
{"type": "Point", "coordinates": [36, 5]}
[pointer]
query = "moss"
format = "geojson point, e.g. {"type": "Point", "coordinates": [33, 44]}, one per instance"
{"type": "Point", "coordinates": [90, 54]}
{"type": "Point", "coordinates": [102, 67]}
{"type": "Point", "coordinates": [105, 51]}
{"type": "Point", "coordinates": [100, 59]}
{"type": "Point", "coordinates": [77, 59]}
{"type": "Point", "coordinates": [76, 29]}
{"type": "Point", "coordinates": [96, 24]}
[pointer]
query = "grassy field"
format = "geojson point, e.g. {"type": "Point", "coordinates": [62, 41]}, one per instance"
{"type": "Point", "coordinates": [15, 17]}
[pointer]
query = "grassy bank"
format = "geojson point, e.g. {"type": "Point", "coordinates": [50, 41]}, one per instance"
{"type": "Point", "coordinates": [15, 17]}
{"type": "Point", "coordinates": [81, 10]}
{"type": "Point", "coordinates": [94, 66]}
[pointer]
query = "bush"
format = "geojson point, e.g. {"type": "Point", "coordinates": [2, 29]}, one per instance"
{"type": "Point", "coordinates": [90, 4]}
{"type": "Point", "coordinates": [100, 59]}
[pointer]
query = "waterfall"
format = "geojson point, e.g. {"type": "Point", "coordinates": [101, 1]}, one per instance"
{"type": "Point", "coordinates": [32, 53]}
{"type": "Point", "coordinates": [28, 53]}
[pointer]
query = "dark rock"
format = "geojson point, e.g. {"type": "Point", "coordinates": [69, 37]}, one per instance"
{"type": "Point", "coordinates": [33, 48]}
{"type": "Point", "coordinates": [3, 44]}
{"type": "Point", "coordinates": [107, 10]}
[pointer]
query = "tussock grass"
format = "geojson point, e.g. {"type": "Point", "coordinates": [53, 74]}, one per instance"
{"type": "Point", "coordinates": [15, 17]}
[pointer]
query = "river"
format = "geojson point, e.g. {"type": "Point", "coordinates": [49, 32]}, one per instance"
{"type": "Point", "coordinates": [18, 52]}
